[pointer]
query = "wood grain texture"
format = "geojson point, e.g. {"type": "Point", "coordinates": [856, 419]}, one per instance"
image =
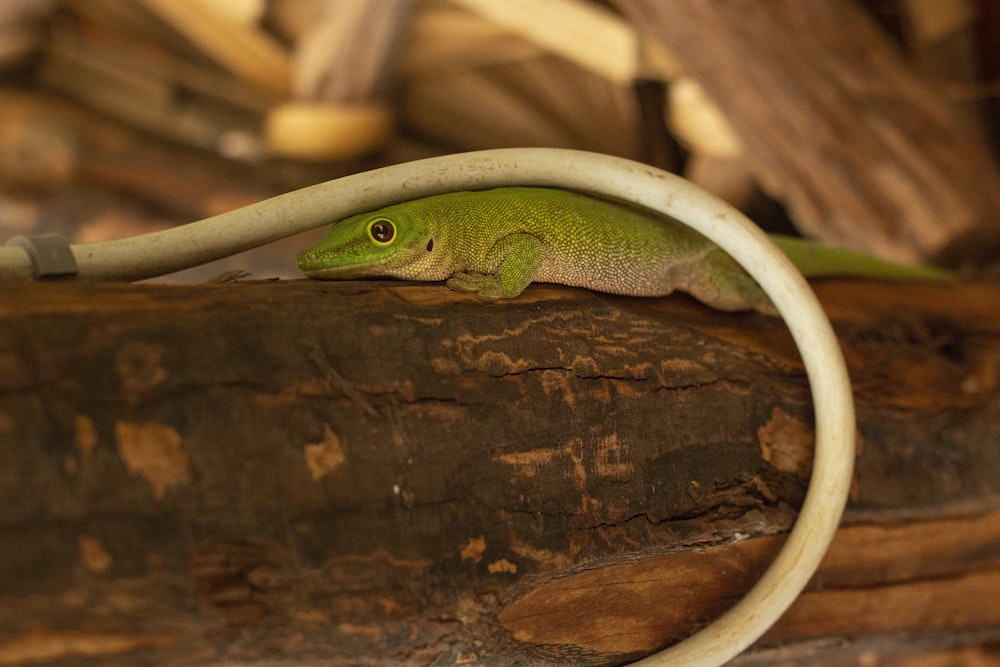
{"type": "Point", "coordinates": [862, 151]}
{"type": "Point", "coordinates": [364, 473]}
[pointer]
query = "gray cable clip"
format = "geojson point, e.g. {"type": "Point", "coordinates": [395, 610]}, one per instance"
{"type": "Point", "coordinates": [51, 255]}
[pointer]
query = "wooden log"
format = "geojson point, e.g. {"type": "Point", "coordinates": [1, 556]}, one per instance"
{"type": "Point", "coordinates": [862, 152]}
{"type": "Point", "coordinates": [373, 473]}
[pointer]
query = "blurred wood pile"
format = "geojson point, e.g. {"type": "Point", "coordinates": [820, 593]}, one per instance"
{"type": "Point", "coordinates": [121, 117]}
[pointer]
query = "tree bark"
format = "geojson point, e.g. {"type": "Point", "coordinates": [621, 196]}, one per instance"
{"type": "Point", "coordinates": [373, 473]}
{"type": "Point", "coordinates": [862, 152]}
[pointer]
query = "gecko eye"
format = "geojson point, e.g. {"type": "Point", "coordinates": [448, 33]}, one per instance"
{"type": "Point", "coordinates": [382, 231]}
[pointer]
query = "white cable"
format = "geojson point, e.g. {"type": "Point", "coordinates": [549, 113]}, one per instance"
{"type": "Point", "coordinates": [189, 245]}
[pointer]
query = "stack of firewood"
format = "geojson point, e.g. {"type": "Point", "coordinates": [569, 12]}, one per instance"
{"type": "Point", "coordinates": [120, 117]}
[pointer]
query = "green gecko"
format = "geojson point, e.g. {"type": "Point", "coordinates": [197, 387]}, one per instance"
{"type": "Point", "coordinates": [496, 242]}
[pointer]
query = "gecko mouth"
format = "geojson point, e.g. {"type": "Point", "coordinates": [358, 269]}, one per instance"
{"type": "Point", "coordinates": [314, 266]}
{"type": "Point", "coordinates": [313, 270]}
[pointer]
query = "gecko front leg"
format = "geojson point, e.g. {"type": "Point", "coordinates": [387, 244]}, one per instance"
{"type": "Point", "coordinates": [516, 259]}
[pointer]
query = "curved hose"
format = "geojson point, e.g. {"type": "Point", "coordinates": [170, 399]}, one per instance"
{"type": "Point", "coordinates": [189, 245]}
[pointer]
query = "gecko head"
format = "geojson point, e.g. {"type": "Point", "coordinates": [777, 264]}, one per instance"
{"type": "Point", "coordinates": [379, 243]}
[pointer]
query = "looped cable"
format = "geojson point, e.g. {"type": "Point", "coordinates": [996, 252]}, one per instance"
{"type": "Point", "coordinates": [198, 242]}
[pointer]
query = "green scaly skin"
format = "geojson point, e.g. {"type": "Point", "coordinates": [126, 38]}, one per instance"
{"type": "Point", "coordinates": [496, 242]}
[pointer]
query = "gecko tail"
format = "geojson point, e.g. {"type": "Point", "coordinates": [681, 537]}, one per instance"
{"type": "Point", "coordinates": [817, 261]}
